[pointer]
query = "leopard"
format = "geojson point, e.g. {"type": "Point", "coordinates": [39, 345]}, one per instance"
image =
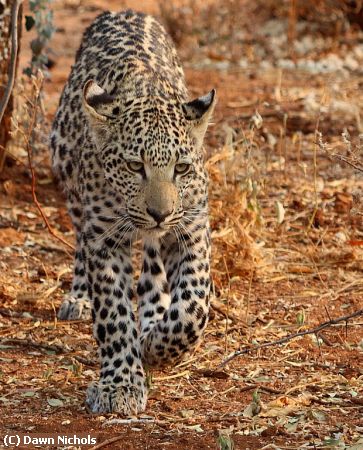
{"type": "Point", "coordinates": [127, 147]}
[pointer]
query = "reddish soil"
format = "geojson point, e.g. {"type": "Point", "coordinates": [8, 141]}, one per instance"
{"type": "Point", "coordinates": [271, 279]}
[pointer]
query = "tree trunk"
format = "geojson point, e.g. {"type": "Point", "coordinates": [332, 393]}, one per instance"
{"type": "Point", "coordinates": [10, 17]}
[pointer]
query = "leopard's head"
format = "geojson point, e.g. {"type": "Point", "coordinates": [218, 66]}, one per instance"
{"type": "Point", "coordinates": [150, 149]}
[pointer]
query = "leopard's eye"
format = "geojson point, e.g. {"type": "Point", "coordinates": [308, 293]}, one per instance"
{"type": "Point", "coordinates": [182, 168]}
{"type": "Point", "coordinates": [135, 166]}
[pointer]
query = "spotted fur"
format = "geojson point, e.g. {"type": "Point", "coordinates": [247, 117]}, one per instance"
{"type": "Point", "coordinates": [127, 146]}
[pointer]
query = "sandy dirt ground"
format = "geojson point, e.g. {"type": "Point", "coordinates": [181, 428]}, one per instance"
{"type": "Point", "coordinates": [287, 250]}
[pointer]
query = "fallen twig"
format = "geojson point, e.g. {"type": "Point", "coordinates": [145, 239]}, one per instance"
{"type": "Point", "coordinates": [85, 361]}
{"type": "Point", "coordinates": [170, 377]}
{"type": "Point", "coordinates": [108, 441]}
{"type": "Point", "coordinates": [289, 337]}
{"type": "Point", "coordinates": [221, 308]}
{"type": "Point", "coordinates": [30, 343]}
{"type": "Point", "coordinates": [253, 387]}
{"type": "Point", "coordinates": [341, 290]}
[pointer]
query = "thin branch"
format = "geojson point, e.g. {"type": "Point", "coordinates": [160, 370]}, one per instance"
{"type": "Point", "coordinates": [228, 296]}
{"type": "Point", "coordinates": [37, 86]}
{"type": "Point", "coordinates": [29, 343]}
{"type": "Point", "coordinates": [289, 337]}
{"type": "Point", "coordinates": [351, 162]}
{"type": "Point", "coordinates": [12, 156]}
{"type": "Point", "coordinates": [14, 52]}
{"type": "Point", "coordinates": [327, 312]}
{"type": "Point", "coordinates": [108, 441]}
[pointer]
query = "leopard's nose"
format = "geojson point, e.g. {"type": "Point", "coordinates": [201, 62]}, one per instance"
{"type": "Point", "coordinates": [158, 216]}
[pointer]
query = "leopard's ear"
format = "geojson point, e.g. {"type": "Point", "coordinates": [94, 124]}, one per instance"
{"type": "Point", "coordinates": [199, 112]}
{"type": "Point", "coordinates": [100, 105]}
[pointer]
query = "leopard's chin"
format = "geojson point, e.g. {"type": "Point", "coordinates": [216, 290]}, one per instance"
{"type": "Point", "coordinates": [155, 232]}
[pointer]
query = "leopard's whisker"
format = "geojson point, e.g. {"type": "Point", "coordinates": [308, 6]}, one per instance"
{"type": "Point", "coordinates": [110, 231]}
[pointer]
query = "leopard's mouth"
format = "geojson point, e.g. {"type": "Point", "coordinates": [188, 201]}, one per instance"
{"type": "Point", "coordinates": [156, 232]}
{"type": "Point", "coordinates": [153, 228]}
{"type": "Point", "coordinates": [150, 229]}
{"type": "Point", "coordinates": [161, 228]}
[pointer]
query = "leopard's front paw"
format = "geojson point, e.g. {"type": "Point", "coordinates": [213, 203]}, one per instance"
{"type": "Point", "coordinates": [74, 309]}
{"type": "Point", "coordinates": [123, 398]}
